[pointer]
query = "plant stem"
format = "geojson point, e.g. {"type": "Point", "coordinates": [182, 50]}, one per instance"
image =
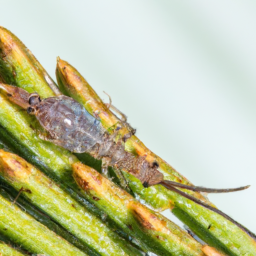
{"type": "Point", "coordinates": [6, 250]}
{"type": "Point", "coordinates": [11, 194]}
{"type": "Point", "coordinates": [22, 229]}
{"type": "Point", "coordinates": [19, 67]}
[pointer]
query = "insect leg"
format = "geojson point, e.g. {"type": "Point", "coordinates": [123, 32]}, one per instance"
{"type": "Point", "coordinates": [170, 187]}
{"type": "Point", "coordinates": [202, 189]}
{"type": "Point", "coordinates": [110, 101]}
{"type": "Point", "coordinates": [44, 135]}
{"type": "Point", "coordinates": [19, 193]}
{"type": "Point", "coordinates": [123, 119]}
{"type": "Point", "coordinates": [122, 179]}
{"type": "Point", "coordinates": [124, 123]}
{"type": "Point", "coordinates": [104, 167]}
{"type": "Point", "coordinates": [114, 109]}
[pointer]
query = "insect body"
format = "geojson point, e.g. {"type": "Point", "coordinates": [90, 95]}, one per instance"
{"type": "Point", "coordinates": [70, 126]}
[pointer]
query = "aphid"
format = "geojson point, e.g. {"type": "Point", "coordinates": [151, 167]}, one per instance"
{"type": "Point", "coordinates": [70, 126]}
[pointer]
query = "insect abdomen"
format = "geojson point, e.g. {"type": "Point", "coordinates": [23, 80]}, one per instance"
{"type": "Point", "coordinates": [69, 124]}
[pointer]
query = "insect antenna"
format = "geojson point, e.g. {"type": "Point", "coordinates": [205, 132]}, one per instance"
{"type": "Point", "coordinates": [203, 189]}
{"type": "Point", "coordinates": [168, 185]}
{"type": "Point", "coordinates": [110, 101]}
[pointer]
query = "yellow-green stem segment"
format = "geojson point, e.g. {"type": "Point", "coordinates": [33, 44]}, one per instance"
{"type": "Point", "coordinates": [11, 194]}
{"type": "Point", "coordinates": [6, 250]}
{"type": "Point", "coordinates": [19, 67]}
{"type": "Point", "coordinates": [22, 229]}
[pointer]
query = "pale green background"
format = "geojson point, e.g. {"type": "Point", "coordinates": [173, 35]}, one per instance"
{"type": "Point", "coordinates": [183, 72]}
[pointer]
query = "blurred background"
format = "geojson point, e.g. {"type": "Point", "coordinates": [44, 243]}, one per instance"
{"type": "Point", "coordinates": [182, 71]}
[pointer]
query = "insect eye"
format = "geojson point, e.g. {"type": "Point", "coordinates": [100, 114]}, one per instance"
{"type": "Point", "coordinates": [145, 184]}
{"type": "Point", "coordinates": [155, 164]}
{"type": "Point", "coordinates": [34, 100]}
{"type": "Point", "coordinates": [30, 110]}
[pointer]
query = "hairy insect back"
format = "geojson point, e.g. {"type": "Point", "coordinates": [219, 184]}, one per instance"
{"type": "Point", "coordinates": [69, 124]}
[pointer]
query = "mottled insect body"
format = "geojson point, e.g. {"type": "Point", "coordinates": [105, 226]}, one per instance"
{"type": "Point", "coordinates": [114, 154]}
{"type": "Point", "coordinates": [70, 126]}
